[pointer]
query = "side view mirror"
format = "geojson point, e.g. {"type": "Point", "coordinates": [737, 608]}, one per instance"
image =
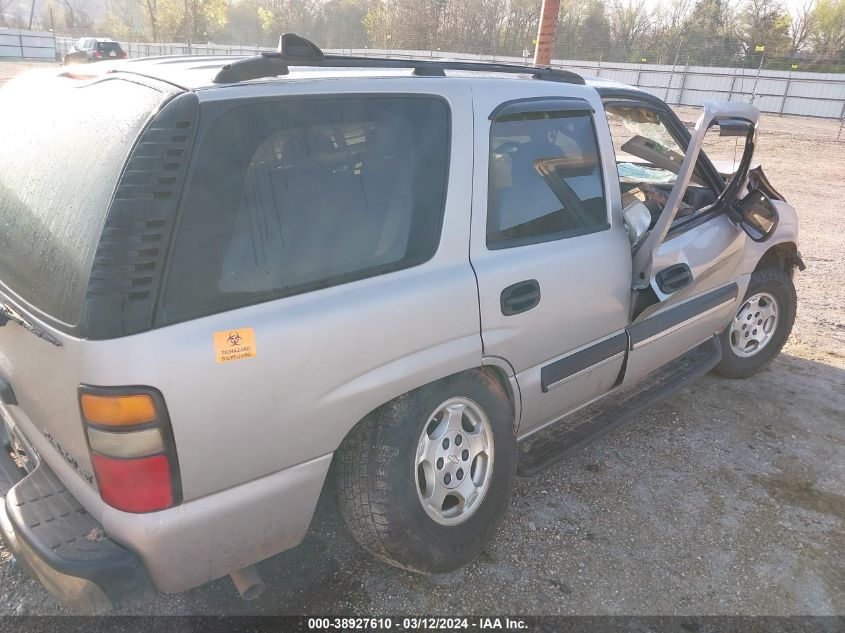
{"type": "Point", "coordinates": [637, 220]}
{"type": "Point", "coordinates": [758, 215]}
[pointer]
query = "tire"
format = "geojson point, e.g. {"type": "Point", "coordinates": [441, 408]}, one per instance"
{"type": "Point", "coordinates": [381, 490]}
{"type": "Point", "coordinates": [766, 284]}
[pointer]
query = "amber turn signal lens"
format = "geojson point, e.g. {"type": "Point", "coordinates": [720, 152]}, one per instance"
{"type": "Point", "coordinates": [118, 410]}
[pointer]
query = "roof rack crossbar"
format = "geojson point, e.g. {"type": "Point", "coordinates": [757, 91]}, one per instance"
{"type": "Point", "coordinates": [273, 64]}
{"type": "Point", "coordinates": [295, 50]}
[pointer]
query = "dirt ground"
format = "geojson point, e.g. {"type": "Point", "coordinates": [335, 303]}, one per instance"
{"type": "Point", "coordinates": [9, 69]}
{"type": "Point", "coordinates": [728, 498]}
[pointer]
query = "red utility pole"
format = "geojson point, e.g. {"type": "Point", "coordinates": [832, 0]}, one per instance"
{"type": "Point", "coordinates": [546, 32]}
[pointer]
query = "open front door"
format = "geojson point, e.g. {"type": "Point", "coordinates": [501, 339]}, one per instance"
{"type": "Point", "coordinates": [686, 273]}
{"type": "Point", "coordinates": [732, 119]}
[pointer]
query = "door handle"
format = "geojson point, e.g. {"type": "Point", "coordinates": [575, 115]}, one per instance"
{"type": "Point", "coordinates": [520, 297]}
{"type": "Point", "coordinates": [674, 278]}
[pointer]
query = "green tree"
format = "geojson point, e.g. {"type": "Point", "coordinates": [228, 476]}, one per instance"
{"type": "Point", "coordinates": [708, 35]}
{"type": "Point", "coordinates": [376, 22]}
{"type": "Point", "coordinates": [828, 37]}
{"type": "Point", "coordinates": [287, 16]}
{"type": "Point", "coordinates": [206, 18]}
{"type": "Point", "coordinates": [766, 23]}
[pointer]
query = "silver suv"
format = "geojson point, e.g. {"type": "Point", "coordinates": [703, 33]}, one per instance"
{"type": "Point", "coordinates": [220, 277]}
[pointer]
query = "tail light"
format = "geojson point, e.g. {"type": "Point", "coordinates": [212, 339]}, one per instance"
{"type": "Point", "coordinates": [131, 444]}
{"type": "Point", "coordinates": [123, 54]}
{"type": "Point", "coordinates": [98, 54]}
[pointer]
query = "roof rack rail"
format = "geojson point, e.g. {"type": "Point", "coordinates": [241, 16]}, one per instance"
{"type": "Point", "coordinates": [294, 50]}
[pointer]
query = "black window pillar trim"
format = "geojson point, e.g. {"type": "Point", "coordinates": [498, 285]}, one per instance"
{"type": "Point", "coordinates": [520, 108]}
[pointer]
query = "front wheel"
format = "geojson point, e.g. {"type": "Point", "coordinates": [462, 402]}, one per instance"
{"type": "Point", "coordinates": [761, 326]}
{"type": "Point", "coordinates": [424, 480]}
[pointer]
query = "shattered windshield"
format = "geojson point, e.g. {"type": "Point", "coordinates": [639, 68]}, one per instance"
{"type": "Point", "coordinates": [645, 123]}
{"type": "Point", "coordinates": [645, 149]}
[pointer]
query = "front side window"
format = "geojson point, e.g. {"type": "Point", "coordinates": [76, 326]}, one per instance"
{"type": "Point", "coordinates": [545, 179]}
{"type": "Point", "coordinates": [289, 196]}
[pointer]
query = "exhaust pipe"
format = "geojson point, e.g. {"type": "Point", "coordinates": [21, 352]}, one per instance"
{"type": "Point", "coordinates": [248, 582]}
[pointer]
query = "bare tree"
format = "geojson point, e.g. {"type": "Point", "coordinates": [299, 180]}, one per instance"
{"type": "Point", "coordinates": [803, 24]}
{"type": "Point", "coordinates": [630, 20]}
{"type": "Point", "coordinates": [76, 13]}
{"type": "Point", "coordinates": [70, 13]}
{"type": "Point", "coordinates": [668, 27]}
{"type": "Point", "coordinates": [151, 7]}
{"type": "Point", "coordinates": [4, 8]}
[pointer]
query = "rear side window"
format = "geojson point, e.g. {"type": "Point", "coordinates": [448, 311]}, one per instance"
{"type": "Point", "coordinates": [293, 195]}
{"type": "Point", "coordinates": [545, 179]}
{"type": "Point", "coordinates": [62, 148]}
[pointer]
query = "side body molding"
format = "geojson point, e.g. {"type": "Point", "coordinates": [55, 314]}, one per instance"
{"type": "Point", "coordinates": [635, 336]}
{"type": "Point", "coordinates": [586, 359]}
{"type": "Point", "coordinates": [681, 315]}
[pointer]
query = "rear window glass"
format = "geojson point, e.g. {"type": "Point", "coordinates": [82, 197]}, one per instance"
{"type": "Point", "coordinates": [109, 46]}
{"type": "Point", "coordinates": [289, 196]}
{"type": "Point", "coordinates": [58, 169]}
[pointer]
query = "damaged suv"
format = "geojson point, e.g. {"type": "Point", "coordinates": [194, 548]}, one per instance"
{"type": "Point", "coordinates": [429, 274]}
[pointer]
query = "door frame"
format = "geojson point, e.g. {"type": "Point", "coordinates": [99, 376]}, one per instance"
{"type": "Point", "coordinates": [558, 375]}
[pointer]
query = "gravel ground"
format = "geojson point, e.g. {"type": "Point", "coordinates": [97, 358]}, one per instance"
{"type": "Point", "coordinates": [728, 498]}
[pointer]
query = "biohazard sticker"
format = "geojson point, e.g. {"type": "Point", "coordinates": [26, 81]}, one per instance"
{"type": "Point", "coordinates": [234, 344]}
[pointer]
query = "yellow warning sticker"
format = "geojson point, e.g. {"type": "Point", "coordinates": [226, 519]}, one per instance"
{"type": "Point", "coordinates": [234, 344]}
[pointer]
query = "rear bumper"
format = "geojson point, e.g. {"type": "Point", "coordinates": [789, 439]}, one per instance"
{"type": "Point", "coordinates": [59, 543]}
{"type": "Point", "coordinates": [201, 539]}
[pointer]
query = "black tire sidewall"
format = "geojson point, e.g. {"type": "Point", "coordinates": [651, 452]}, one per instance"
{"type": "Point", "coordinates": [779, 285]}
{"type": "Point", "coordinates": [427, 545]}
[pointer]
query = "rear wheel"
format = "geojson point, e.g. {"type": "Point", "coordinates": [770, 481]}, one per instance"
{"type": "Point", "coordinates": [424, 480]}
{"type": "Point", "coordinates": [761, 326]}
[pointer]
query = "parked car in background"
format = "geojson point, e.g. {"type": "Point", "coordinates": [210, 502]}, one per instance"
{"type": "Point", "coordinates": [94, 49]}
{"type": "Point", "coordinates": [426, 274]}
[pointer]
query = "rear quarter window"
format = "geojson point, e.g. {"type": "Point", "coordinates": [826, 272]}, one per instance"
{"type": "Point", "coordinates": [293, 195]}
